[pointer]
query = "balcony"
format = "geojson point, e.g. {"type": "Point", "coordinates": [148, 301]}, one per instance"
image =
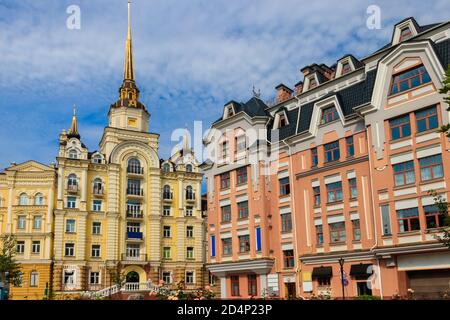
{"type": "Point", "coordinates": [135, 170]}
{"type": "Point", "coordinates": [134, 257]}
{"type": "Point", "coordinates": [135, 191]}
{"type": "Point", "coordinates": [134, 235]}
{"type": "Point", "coordinates": [72, 188]}
{"type": "Point", "coordinates": [135, 214]}
{"type": "Point", "coordinates": [98, 192]}
{"type": "Point", "coordinates": [167, 196]}
{"type": "Point", "coordinates": [190, 197]}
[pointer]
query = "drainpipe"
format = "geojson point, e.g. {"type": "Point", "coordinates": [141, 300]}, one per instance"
{"type": "Point", "coordinates": [373, 204]}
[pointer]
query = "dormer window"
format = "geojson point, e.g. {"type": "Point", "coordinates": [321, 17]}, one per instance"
{"type": "Point", "coordinates": [97, 159]}
{"type": "Point", "coordinates": [409, 79]}
{"type": "Point", "coordinates": [312, 83]}
{"type": "Point", "coordinates": [283, 121]}
{"type": "Point", "coordinates": [73, 154]}
{"type": "Point", "coordinates": [329, 115]}
{"type": "Point", "coordinates": [405, 34]}
{"type": "Point", "coordinates": [346, 68]}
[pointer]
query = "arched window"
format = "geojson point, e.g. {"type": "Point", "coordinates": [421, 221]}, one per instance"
{"type": "Point", "coordinates": [190, 193]}
{"type": "Point", "coordinates": [167, 194]}
{"type": "Point", "coordinates": [189, 168]}
{"type": "Point", "coordinates": [134, 166]}
{"type": "Point", "coordinates": [98, 186]}
{"type": "Point", "coordinates": [39, 199]}
{"type": "Point", "coordinates": [23, 199]}
{"type": "Point", "coordinates": [73, 154]}
{"type": "Point", "coordinates": [166, 167]}
{"type": "Point", "coordinates": [72, 182]}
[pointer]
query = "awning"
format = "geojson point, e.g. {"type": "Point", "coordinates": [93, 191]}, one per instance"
{"type": "Point", "coordinates": [360, 270]}
{"type": "Point", "coordinates": [322, 272]}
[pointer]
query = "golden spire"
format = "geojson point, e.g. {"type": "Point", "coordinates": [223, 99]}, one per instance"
{"type": "Point", "coordinates": [74, 128]}
{"type": "Point", "coordinates": [129, 66]}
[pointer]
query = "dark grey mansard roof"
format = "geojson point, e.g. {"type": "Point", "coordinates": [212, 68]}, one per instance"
{"type": "Point", "coordinates": [254, 107]}
{"type": "Point", "coordinates": [442, 50]}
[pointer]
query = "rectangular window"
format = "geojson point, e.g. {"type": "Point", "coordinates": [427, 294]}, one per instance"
{"type": "Point", "coordinates": [427, 119]}
{"type": "Point", "coordinates": [404, 173]}
{"type": "Point", "coordinates": [353, 188]}
{"type": "Point", "coordinates": [189, 277]}
{"type": "Point", "coordinates": [133, 251]}
{"type": "Point", "coordinates": [69, 277]}
{"type": "Point", "coordinates": [288, 258]}
{"type": "Point", "coordinates": [356, 230]}
{"type": "Point", "coordinates": [133, 227]}
{"type": "Point", "coordinates": [316, 192]}
{"type": "Point", "coordinates": [350, 147]}
{"type": "Point", "coordinates": [189, 211]}
{"type": "Point", "coordinates": [405, 34]}
{"type": "Point", "coordinates": [21, 222]}
{"type": "Point", "coordinates": [286, 223]}
{"type": "Point", "coordinates": [408, 219]}
{"type": "Point", "coordinates": [189, 232]}
{"type": "Point", "coordinates": [37, 222]}
{"type": "Point", "coordinates": [227, 246]}
{"type": "Point", "coordinates": [241, 143]}
{"type": "Point", "coordinates": [409, 79]}
{"type": "Point", "coordinates": [284, 187]}
{"type": "Point", "coordinates": [69, 250]}
{"type": "Point", "coordinates": [34, 279]}
{"type": "Point", "coordinates": [252, 285]}
{"type": "Point", "coordinates": [434, 218]}
{"type": "Point", "coordinates": [319, 235]}
{"type": "Point", "coordinates": [20, 247]}
{"type": "Point", "coordinates": [226, 213]}
{"type": "Point", "coordinates": [166, 231]}
{"type": "Point", "coordinates": [234, 286]}
{"type": "Point", "coordinates": [334, 191]}
{"type": "Point", "coordinates": [244, 244]}
{"type": "Point", "coordinates": [166, 211]}
{"type": "Point", "coordinates": [243, 210]}
{"type": "Point", "coordinates": [97, 205]}
{"type": "Point", "coordinates": [213, 245]}
{"type": "Point", "coordinates": [346, 68]}
{"type": "Point", "coordinates": [431, 167]}
{"type": "Point", "coordinates": [400, 127]}
{"type": "Point", "coordinates": [70, 226]}
{"type": "Point", "coordinates": [224, 150]}
{"type": "Point", "coordinates": [71, 202]}
{"type": "Point", "coordinates": [258, 239]}
{"type": "Point", "coordinates": [96, 227]}
{"type": "Point", "coordinates": [36, 247]}
{"type": "Point", "coordinates": [167, 253]}
{"type": "Point", "coordinates": [332, 152]}
{"type": "Point", "coordinates": [241, 176]}
{"type": "Point", "coordinates": [225, 181]}
{"type": "Point", "coordinates": [314, 157]}
{"type": "Point", "coordinates": [337, 232]}
{"type": "Point", "coordinates": [190, 253]}
{"type": "Point", "coordinates": [328, 115]}
{"type": "Point", "coordinates": [95, 251]}
{"type": "Point", "coordinates": [386, 219]}
{"type": "Point", "coordinates": [167, 277]}
{"type": "Point", "coordinates": [94, 278]}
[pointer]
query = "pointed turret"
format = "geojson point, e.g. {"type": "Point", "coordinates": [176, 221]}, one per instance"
{"type": "Point", "coordinates": [73, 131]}
{"type": "Point", "coordinates": [129, 66]}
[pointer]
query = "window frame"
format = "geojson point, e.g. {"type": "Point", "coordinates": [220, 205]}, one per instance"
{"type": "Point", "coordinates": [408, 220]}
{"type": "Point", "coordinates": [403, 172]}
{"type": "Point", "coordinates": [243, 210]}
{"type": "Point", "coordinates": [241, 176]}
{"type": "Point", "coordinates": [353, 188]}
{"type": "Point", "coordinates": [288, 260]}
{"type": "Point", "coordinates": [227, 246]}
{"type": "Point", "coordinates": [225, 211]}
{"type": "Point", "coordinates": [286, 222]}
{"type": "Point", "coordinates": [350, 146]}
{"type": "Point", "coordinates": [400, 126]}
{"type": "Point", "coordinates": [421, 73]}
{"type": "Point", "coordinates": [334, 188]}
{"type": "Point", "coordinates": [431, 168]}
{"type": "Point", "coordinates": [244, 243]}
{"type": "Point", "coordinates": [285, 187]}
{"type": "Point", "coordinates": [235, 290]}
{"type": "Point", "coordinates": [424, 115]}
{"type": "Point", "coordinates": [332, 152]}
{"type": "Point", "coordinates": [339, 229]}
{"type": "Point", "coordinates": [329, 114]}
{"type": "Point", "coordinates": [225, 181]}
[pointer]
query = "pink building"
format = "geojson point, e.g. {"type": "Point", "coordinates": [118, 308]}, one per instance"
{"type": "Point", "coordinates": [336, 172]}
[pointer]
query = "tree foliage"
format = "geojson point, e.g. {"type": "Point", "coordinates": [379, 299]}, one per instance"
{"type": "Point", "coordinates": [446, 90]}
{"type": "Point", "coordinates": [9, 268]}
{"type": "Point", "coordinates": [442, 206]}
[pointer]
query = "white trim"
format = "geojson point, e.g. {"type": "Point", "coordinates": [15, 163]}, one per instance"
{"type": "Point", "coordinates": [351, 174]}
{"type": "Point", "coordinates": [337, 218]}
{"type": "Point", "coordinates": [287, 246]}
{"type": "Point", "coordinates": [315, 183]}
{"type": "Point", "coordinates": [285, 210]}
{"type": "Point", "coordinates": [283, 174]}
{"type": "Point", "coordinates": [318, 222]}
{"type": "Point", "coordinates": [402, 158]}
{"type": "Point", "coordinates": [406, 204]}
{"type": "Point", "coordinates": [333, 178]}
{"type": "Point", "coordinates": [243, 232]}
{"type": "Point", "coordinates": [224, 203]}
{"type": "Point", "coordinates": [225, 235]}
{"type": "Point", "coordinates": [429, 151]}
{"type": "Point", "coordinates": [354, 216]}
{"type": "Point", "coordinates": [242, 198]}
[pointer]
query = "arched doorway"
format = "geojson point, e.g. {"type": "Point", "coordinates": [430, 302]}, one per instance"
{"type": "Point", "coordinates": [132, 277]}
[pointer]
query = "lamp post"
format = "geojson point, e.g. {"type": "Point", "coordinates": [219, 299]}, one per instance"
{"type": "Point", "coordinates": [341, 264]}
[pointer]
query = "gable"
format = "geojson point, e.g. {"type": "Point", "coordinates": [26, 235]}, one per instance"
{"type": "Point", "coordinates": [30, 166]}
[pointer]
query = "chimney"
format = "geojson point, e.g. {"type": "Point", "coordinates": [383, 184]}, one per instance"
{"type": "Point", "coordinates": [283, 93]}
{"type": "Point", "coordinates": [299, 88]}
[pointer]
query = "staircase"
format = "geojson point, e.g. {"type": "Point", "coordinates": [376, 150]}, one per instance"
{"type": "Point", "coordinates": [126, 288]}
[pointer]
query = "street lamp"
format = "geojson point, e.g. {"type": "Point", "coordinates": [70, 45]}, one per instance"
{"type": "Point", "coordinates": [341, 264]}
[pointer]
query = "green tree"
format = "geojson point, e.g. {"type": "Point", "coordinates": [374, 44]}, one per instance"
{"type": "Point", "coordinates": [117, 277]}
{"type": "Point", "coordinates": [442, 206]}
{"type": "Point", "coordinates": [446, 90]}
{"type": "Point", "coordinates": [9, 269]}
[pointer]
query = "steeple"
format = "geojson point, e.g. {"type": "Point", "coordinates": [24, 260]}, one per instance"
{"type": "Point", "coordinates": [73, 132]}
{"type": "Point", "coordinates": [129, 93]}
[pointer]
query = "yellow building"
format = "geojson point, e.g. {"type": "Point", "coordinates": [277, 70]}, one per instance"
{"type": "Point", "coordinates": [118, 209]}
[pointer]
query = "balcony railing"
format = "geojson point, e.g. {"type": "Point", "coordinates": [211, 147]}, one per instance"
{"type": "Point", "coordinates": [135, 170]}
{"type": "Point", "coordinates": [137, 214]}
{"type": "Point", "coordinates": [72, 188]}
{"type": "Point", "coordinates": [98, 191]}
{"type": "Point", "coordinates": [134, 235]}
{"type": "Point", "coordinates": [134, 191]}
{"type": "Point", "coordinates": [190, 196]}
{"type": "Point", "coordinates": [134, 257]}
{"type": "Point", "coordinates": [167, 196]}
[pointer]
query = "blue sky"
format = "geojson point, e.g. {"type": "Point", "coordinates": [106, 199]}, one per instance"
{"type": "Point", "coordinates": [191, 57]}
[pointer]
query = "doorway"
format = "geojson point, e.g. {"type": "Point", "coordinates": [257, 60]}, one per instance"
{"type": "Point", "coordinates": [290, 290]}
{"type": "Point", "coordinates": [132, 277]}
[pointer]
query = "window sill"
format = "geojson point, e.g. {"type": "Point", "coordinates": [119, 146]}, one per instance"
{"type": "Point", "coordinates": [393, 95]}
{"type": "Point", "coordinates": [338, 243]}
{"type": "Point", "coordinates": [282, 196]}
{"type": "Point", "coordinates": [330, 163]}
{"type": "Point", "coordinates": [409, 233]}
{"type": "Point", "coordinates": [435, 229]}
{"type": "Point", "coordinates": [405, 186]}
{"type": "Point", "coordinates": [435, 130]}
{"type": "Point", "coordinates": [334, 203]}
{"type": "Point", "coordinates": [423, 182]}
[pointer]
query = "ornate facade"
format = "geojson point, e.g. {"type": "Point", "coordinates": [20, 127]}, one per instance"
{"type": "Point", "coordinates": [118, 209]}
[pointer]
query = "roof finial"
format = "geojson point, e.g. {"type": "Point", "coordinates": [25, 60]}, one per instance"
{"type": "Point", "coordinates": [256, 93]}
{"type": "Point", "coordinates": [129, 67]}
{"type": "Point", "coordinates": [73, 132]}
